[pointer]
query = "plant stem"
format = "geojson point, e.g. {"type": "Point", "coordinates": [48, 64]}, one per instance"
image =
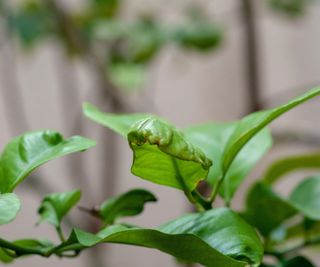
{"type": "Point", "coordinates": [21, 250]}
{"type": "Point", "coordinates": [215, 190]}
{"type": "Point", "coordinates": [60, 233]}
{"type": "Point", "coordinates": [205, 203]}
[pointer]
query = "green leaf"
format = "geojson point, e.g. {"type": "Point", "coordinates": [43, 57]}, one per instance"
{"type": "Point", "coordinates": [255, 122]}
{"type": "Point", "coordinates": [130, 203]}
{"type": "Point", "coordinates": [265, 209]}
{"type": "Point", "coordinates": [306, 197]}
{"type": "Point", "coordinates": [55, 206]}
{"type": "Point", "coordinates": [199, 35]}
{"type": "Point", "coordinates": [118, 123]}
{"type": "Point", "coordinates": [164, 156]}
{"type": "Point", "coordinates": [289, 164]}
{"type": "Point", "coordinates": [212, 139]}
{"type": "Point", "coordinates": [27, 152]}
{"type": "Point", "coordinates": [9, 207]}
{"type": "Point", "coordinates": [216, 238]}
{"type": "Point", "coordinates": [293, 8]}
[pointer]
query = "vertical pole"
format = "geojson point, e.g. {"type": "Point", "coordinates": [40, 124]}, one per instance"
{"type": "Point", "coordinates": [251, 50]}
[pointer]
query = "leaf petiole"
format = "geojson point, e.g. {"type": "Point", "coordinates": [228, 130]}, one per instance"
{"type": "Point", "coordinates": [60, 233]}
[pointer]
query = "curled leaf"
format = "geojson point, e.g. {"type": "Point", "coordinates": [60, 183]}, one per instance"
{"type": "Point", "coordinates": [163, 155]}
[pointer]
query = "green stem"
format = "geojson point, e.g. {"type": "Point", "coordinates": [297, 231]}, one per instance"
{"type": "Point", "coordinates": [44, 252]}
{"type": "Point", "coordinates": [60, 233]}
{"type": "Point", "coordinates": [19, 251]}
{"type": "Point", "coordinates": [205, 203]}
{"type": "Point", "coordinates": [215, 190]}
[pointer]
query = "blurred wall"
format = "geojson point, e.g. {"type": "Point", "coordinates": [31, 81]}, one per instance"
{"type": "Point", "coordinates": [184, 88]}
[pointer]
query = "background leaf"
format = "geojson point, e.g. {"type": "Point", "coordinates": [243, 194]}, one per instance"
{"type": "Point", "coordinates": [27, 152]}
{"type": "Point", "coordinates": [55, 206]}
{"type": "Point", "coordinates": [212, 139]}
{"type": "Point", "coordinates": [128, 204]}
{"type": "Point", "coordinates": [9, 207]}
{"type": "Point", "coordinates": [289, 164]}
{"type": "Point", "coordinates": [306, 197]}
{"type": "Point", "coordinates": [265, 209]}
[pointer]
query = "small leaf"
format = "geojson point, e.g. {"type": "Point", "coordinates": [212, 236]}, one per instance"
{"type": "Point", "coordinates": [27, 152]}
{"type": "Point", "coordinates": [306, 197]}
{"type": "Point", "coordinates": [118, 123]}
{"type": "Point", "coordinates": [216, 238]}
{"type": "Point", "coordinates": [130, 203]}
{"type": "Point", "coordinates": [164, 156]}
{"type": "Point", "coordinates": [293, 8]}
{"type": "Point", "coordinates": [254, 123]}
{"type": "Point", "coordinates": [55, 206]}
{"type": "Point", "coordinates": [9, 207]}
{"type": "Point", "coordinates": [199, 35]}
{"type": "Point", "coordinates": [292, 163]}
{"type": "Point", "coordinates": [265, 209]}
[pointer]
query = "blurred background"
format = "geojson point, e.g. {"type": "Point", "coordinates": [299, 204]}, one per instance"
{"type": "Point", "coordinates": [188, 61]}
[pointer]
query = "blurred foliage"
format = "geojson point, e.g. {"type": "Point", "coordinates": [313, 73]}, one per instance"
{"type": "Point", "coordinates": [127, 48]}
{"type": "Point", "coordinates": [292, 8]}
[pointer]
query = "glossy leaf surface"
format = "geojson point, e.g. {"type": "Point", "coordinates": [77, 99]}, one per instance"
{"type": "Point", "coordinates": [164, 156]}
{"type": "Point", "coordinates": [216, 238]}
{"type": "Point", "coordinates": [130, 203]}
{"type": "Point", "coordinates": [27, 152]}
{"type": "Point", "coordinates": [9, 207]}
{"type": "Point", "coordinates": [55, 206]}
